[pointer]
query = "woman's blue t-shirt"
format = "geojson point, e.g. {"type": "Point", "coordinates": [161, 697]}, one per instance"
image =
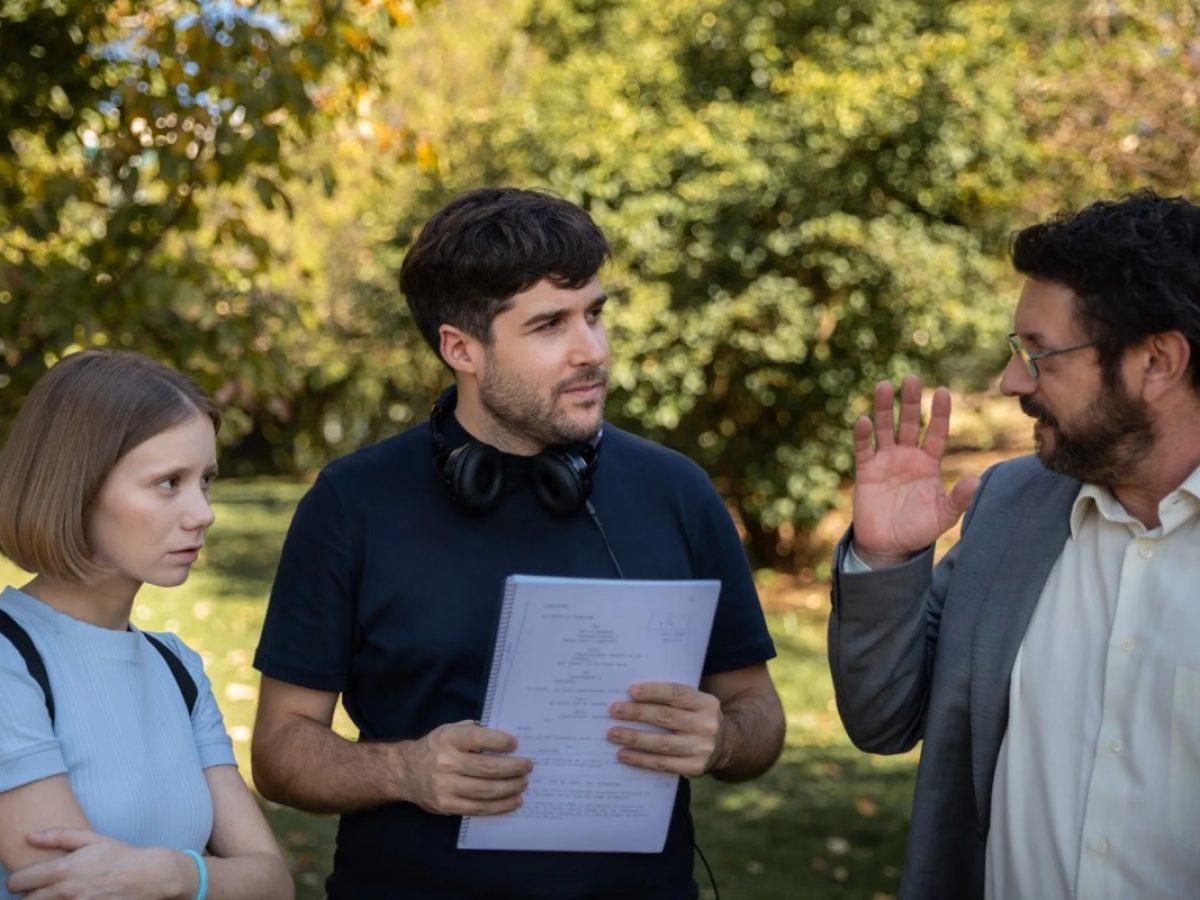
{"type": "Point", "coordinates": [121, 732]}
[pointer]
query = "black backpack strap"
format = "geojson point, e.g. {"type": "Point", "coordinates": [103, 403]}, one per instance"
{"type": "Point", "coordinates": [33, 660]}
{"type": "Point", "coordinates": [187, 686]}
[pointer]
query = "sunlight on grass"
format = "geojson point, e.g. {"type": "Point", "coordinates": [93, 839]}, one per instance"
{"type": "Point", "coordinates": [827, 821]}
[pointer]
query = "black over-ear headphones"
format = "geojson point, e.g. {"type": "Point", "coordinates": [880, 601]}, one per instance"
{"type": "Point", "coordinates": [474, 473]}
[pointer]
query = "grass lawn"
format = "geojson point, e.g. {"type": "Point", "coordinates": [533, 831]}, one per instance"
{"type": "Point", "coordinates": [827, 821]}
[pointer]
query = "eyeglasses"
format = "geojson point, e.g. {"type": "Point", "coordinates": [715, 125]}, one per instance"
{"type": "Point", "coordinates": [1030, 359]}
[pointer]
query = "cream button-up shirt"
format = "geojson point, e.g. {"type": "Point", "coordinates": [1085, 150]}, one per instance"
{"type": "Point", "coordinates": [1097, 786]}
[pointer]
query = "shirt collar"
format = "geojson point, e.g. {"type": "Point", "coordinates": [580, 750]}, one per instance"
{"type": "Point", "coordinates": [1100, 498]}
{"type": "Point", "coordinates": [1191, 484]}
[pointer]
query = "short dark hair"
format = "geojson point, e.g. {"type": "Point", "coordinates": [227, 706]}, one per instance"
{"type": "Point", "coordinates": [1133, 264]}
{"type": "Point", "coordinates": [489, 244]}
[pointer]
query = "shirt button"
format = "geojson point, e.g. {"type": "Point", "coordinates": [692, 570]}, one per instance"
{"type": "Point", "coordinates": [1100, 845]}
{"type": "Point", "coordinates": [1115, 745]}
{"type": "Point", "coordinates": [1127, 645]}
{"type": "Point", "coordinates": [1145, 552]}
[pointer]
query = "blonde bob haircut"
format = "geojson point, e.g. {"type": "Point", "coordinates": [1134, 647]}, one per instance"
{"type": "Point", "coordinates": [80, 418]}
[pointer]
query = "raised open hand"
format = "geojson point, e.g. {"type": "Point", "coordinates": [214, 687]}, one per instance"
{"type": "Point", "coordinates": [900, 506]}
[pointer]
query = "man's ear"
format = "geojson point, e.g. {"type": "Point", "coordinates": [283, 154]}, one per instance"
{"type": "Point", "coordinates": [1166, 357]}
{"type": "Point", "coordinates": [461, 352]}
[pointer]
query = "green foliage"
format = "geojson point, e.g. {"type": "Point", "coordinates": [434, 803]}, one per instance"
{"type": "Point", "coordinates": [137, 140]}
{"type": "Point", "coordinates": [805, 196]}
{"type": "Point", "coordinates": [1114, 104]}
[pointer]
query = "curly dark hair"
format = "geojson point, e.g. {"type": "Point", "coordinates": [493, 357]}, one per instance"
{"type": "Point", "coordinates": [1133, 264]}
{"type": "Point", "coordinates": [488, 244]}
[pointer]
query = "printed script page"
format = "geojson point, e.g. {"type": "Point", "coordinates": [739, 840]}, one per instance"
{"type": "Point", "coordinates": [570, 649]}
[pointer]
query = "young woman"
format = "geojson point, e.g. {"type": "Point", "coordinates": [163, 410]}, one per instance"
{"type": "Point", "coordinates": [117, 778]}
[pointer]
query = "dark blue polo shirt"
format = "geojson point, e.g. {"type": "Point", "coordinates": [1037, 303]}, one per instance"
{"type": "Point", "coordinates": [388, 593]}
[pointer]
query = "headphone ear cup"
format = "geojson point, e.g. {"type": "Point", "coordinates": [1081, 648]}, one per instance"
{"type": "Point", "coordinates": [475, 476]}
{"type": "Point", "coordinates": [557, 482]}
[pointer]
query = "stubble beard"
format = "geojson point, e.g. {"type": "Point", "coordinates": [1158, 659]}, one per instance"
{"type": "Point", "coordinates": [516, 407]}
{"type": "Point", "coordinates": [1106, 447]}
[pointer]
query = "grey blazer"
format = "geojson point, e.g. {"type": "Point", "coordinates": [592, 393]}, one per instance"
{"type": "Point", "coordinates": [923, 653]}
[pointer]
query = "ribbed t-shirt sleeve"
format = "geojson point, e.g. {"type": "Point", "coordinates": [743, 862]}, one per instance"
{"type": "Point", "coordinates": [29, 751]}
{"type": "Point", "coordinates": [208, 727]}
{"type": "Point", "coordinates": [739, 635]}
{"type": "Point", "coordinates": [308, 635]}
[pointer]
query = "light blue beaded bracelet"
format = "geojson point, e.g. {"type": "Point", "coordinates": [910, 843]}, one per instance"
{"type": "Point", "coordinates": [202, 888]}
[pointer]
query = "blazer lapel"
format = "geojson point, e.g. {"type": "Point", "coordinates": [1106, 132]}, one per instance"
{"type": "Point", "coordinates": [1038, 530]}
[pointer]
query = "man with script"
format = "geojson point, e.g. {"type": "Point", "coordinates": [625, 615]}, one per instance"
{"type": "Point", "coordinates": [394, 568]}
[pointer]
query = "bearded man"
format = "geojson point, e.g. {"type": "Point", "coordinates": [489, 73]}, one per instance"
{"type": "Point", "coordinates": [392, 575]}
{"type": "Point", "coordinates": [1051, 661]}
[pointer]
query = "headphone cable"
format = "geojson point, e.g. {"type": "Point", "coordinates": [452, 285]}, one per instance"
{"type": "Point", "coordinates": [708, 869]}
{"type": "Point", "coordinates": [607, 546]}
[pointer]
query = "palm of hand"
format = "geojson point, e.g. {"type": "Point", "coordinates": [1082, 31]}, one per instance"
{"type": "Point", "coordinates": [899, 504]}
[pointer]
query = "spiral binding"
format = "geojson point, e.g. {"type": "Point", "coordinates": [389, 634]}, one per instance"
{"type": "Point", "coordinates": [489, 696]}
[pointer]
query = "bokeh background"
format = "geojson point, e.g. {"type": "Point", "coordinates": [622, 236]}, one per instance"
{"type": "Point", "coordinates": [804, 197]}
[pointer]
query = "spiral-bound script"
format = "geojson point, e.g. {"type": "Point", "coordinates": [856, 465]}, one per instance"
{"type": "Point", "coordinates": [566, 649]}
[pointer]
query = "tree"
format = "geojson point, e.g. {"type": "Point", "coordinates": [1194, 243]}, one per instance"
{"type": "Point", "coordinates": [802, 199]}
{"type": "Point", "coordinates": [137, 140]}
{"type": "Point", "coordinates": [804, 196]}
{"type": "Point", "coordinates": [1115, 104]}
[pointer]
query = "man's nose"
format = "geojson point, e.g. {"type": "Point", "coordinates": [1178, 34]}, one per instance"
{"type": "Point", "coordinates": [590, 347]}
{"type": "Point", "coordinates": [1015, 380]}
